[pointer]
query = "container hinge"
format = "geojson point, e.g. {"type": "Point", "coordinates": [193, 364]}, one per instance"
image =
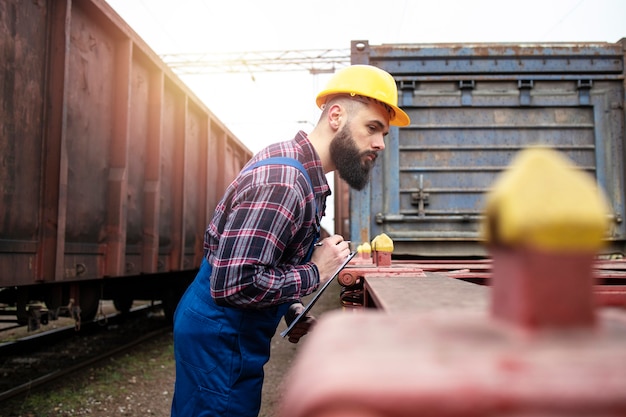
{"type": "Point", "coordinates": [407, 88]}
{"type": "Point", "coordinates": [584, 89]}
{"type": "Point", "coordinates": [524, 87]}
{"type": "Point", "coordinates": [407, 85]}
{"type": "Point", "coordinates": [466, 87]}
{"type": "Point", "coordinates": [420, 198]}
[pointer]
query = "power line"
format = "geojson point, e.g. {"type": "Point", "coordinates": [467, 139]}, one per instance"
{"type": "Point", "coordinates": [565, 16]}
{"type": "Point", "coordinates": [157, 21]}
{"type": "Point", "coordinates": [315, 61]}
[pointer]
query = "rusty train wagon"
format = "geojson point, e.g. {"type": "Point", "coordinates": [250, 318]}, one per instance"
{"type": "Point", "coordinates": [110, 167]}
{"type": "Point", "coordinates": [472, 108]}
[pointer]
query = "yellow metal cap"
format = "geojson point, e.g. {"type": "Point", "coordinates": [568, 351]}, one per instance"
{"type": "Point", "coordinates": [364, 248]}
{"type": "Point", "coordinates": [382, 243]}
{"type": "Point", "coordinates": [545, 201]}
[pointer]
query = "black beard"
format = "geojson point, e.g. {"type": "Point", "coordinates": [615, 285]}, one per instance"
{"type": "Point", "coordinates": [350, 163]}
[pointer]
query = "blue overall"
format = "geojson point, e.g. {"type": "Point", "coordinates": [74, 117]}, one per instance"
{"type": "Point", "coordinates": [220, 351]}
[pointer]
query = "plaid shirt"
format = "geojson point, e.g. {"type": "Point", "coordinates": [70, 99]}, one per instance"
{"type": "Point", "coordinates": [263, 227]}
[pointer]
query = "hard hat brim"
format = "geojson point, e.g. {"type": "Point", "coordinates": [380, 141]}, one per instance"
{"type": "Point", "coordinates": [400, 118]}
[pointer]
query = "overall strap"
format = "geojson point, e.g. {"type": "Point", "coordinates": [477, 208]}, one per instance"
{"type": "Point", "coordinates": [285, 160]}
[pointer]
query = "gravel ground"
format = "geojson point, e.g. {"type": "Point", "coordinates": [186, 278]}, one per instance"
{"type": "Point", "coordinates": [140, 383]}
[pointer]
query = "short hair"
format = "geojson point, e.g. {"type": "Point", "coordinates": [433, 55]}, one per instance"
{"type": "Point", "coordinates": [360, 98]}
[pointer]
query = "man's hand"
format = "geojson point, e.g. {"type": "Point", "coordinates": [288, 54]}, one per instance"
{"type": "Point", "coordinates": [328, 255]}
{"type": "Point", "coordinates": [303, 326]}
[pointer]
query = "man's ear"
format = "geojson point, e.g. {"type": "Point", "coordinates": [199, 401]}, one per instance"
{"type": "Point", "coordinates": [335, 114]}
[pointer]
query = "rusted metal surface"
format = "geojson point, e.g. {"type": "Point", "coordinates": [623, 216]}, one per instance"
{"type": "Point", "coordinates": [454, 364]}
{"type": "Point", "coordinates": [149, 237]}
{"type": "Point", "coordinates": [423, 293]}
{"type": "Point", "coordinates": [439, 349]}
{"type": "Point", "coordinates": [110, 165]}
{"type": "Point", "coordinates": [609, 278]}
{"type": "Point", "coordinates": [533, 343]}
{"type": "Point", "coordinates": [356, 271]}
{"type": "Point", "coordinates": [473, 107]}
{"type": "Point", "coordinates": [535, 289]}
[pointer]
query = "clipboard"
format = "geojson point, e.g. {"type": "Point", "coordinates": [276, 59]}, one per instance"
{"type": "Point", "coordinates": [317, 296]}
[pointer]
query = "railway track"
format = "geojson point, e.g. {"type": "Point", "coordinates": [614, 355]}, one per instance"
{"type": "Point", "coordinates": [34, 361]}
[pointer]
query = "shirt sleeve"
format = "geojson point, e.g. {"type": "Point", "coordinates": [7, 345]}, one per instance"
{"type": "Point", "coordinates": [249, 266]}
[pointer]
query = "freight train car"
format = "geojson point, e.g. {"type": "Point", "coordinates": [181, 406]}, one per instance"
{"type": "Point", "coordinates": [110, 167]}
{"type": "Point", "coordinates": [472, 107]}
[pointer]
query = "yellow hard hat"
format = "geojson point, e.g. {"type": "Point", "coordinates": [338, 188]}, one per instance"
{"type": "Point", "coordinates": [367, 81]}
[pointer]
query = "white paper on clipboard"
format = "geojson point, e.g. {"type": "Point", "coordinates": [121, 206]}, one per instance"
{"type": "Point", "coordinates": [317, 295]}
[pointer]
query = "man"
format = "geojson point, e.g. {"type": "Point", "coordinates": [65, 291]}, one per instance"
{"type": "Point", "coordinates": [260, 258]}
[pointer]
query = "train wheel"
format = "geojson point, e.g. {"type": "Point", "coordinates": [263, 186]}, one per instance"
{"type": "Point", "coordinates": [123, 304]}
{"type": "Point", "coordinates": [54, 300]}
{"type": "Point", "coordinates": [21, 310]}
{"type": "Point", "coordinates": [89, 301]}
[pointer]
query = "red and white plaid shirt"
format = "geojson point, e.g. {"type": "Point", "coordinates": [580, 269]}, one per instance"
{"type": "Point", "coordinates": [263, 227]}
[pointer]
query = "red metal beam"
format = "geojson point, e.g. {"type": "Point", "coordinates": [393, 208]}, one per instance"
{"type": "Point", "coordinates": [118, 163]}
{"type": "Point", "coordinates": [152, 187]}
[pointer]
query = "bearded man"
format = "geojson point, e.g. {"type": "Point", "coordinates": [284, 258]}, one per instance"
{"type": "Point", "coordinates": [260, 256]}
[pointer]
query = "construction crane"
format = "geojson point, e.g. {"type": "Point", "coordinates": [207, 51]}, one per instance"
{"type": "Point", "coordinates": [315, 61]}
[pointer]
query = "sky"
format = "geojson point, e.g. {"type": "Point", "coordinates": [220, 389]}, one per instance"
{"type": "Point", "coordinates": [262, 108]}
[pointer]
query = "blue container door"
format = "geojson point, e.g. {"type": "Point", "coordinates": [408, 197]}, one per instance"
{"type": "Point", "coordinates": [429, 191]}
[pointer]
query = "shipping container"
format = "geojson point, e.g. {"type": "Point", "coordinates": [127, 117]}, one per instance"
{"type": "Point", "coordinates": [472, 108]}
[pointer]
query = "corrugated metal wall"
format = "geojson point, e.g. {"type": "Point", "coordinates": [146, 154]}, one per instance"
{"type": "Point", "coordinates": [109, 164]}
{"type": "Point", "coordinates": [472, 108]}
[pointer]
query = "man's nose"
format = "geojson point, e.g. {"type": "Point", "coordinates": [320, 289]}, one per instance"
{"type": "Point", "coordinates": [378, 143]}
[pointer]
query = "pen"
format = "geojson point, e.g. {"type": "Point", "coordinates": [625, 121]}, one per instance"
{"type": "Point", "coordinates": [320, 243]}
